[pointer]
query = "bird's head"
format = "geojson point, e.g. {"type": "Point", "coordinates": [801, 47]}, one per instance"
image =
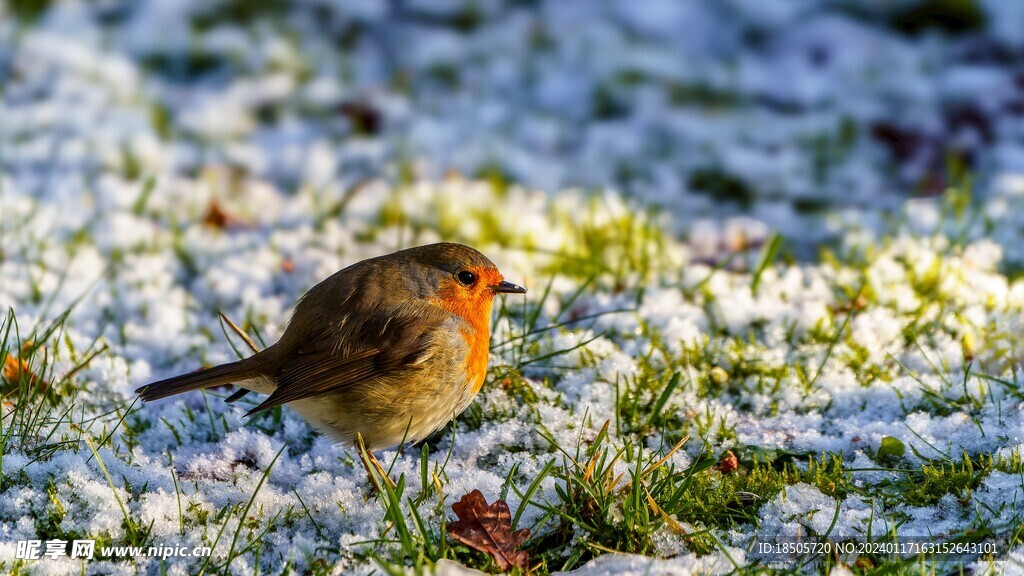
{"type": "Point", "coordinates": [456, 277]}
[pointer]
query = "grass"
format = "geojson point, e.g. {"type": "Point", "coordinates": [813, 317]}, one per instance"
{"type": "Point", "coordinates": [601, 422]}
{"type": "Point", "coordinates": [642, 477]}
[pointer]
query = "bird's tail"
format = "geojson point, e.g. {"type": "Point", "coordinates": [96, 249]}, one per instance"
{"type": "Point", "coordinates": [223, 374]}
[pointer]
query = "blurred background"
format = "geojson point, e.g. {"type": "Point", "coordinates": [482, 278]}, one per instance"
{"type": "Point", "coordinates": [737, 117]}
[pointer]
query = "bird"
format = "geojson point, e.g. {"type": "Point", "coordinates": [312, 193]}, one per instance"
{"type": "Point", "coordinates": [383, 352]}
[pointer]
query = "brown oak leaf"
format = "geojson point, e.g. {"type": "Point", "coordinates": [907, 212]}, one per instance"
{"type": "Point", "coordinates": [488, 528]}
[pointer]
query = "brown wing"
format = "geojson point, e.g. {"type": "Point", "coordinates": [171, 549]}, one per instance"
{"type": "Point", "coordinates": [358, 349]}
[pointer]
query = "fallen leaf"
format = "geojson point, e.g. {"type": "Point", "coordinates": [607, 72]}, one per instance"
{"type": "Point", "coordinates": [729, 463]}
{"type": "Point", "coordinates": [216, 217]}
{"type": "Point", "coordinates": [365, 119]}
{"type": "Point", "coordinates": [15, 370]}
{"type": "Point", "coordinates": [488, 528]}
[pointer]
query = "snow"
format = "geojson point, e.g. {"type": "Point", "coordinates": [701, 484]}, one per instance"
{"type": "Point", "coordinates": [123, 122]}
{"type": "Point", "coordinates": [632, 565]}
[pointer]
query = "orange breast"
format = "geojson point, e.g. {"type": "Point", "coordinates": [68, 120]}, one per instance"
{"type": "Point", "coordinates": [474, 306]}
{"type": "Point", "coordinates": [477, 356]}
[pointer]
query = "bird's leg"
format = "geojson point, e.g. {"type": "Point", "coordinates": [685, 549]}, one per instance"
{"type": "Point", "coordinates": [374, 469]}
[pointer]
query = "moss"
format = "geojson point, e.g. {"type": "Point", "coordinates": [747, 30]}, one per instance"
{"type": "Point", "coordinates": [937, 479]}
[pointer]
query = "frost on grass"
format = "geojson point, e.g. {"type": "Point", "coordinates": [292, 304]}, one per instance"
{"type": "Point", "coordinates": [238, 164]}
{"type": "Point", "coordinates": [913, 341]}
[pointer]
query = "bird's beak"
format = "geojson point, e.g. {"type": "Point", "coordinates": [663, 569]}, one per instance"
{"type": "Point", "coordinates": [504, 287]}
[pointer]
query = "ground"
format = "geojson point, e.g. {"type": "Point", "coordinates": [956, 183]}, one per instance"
{"type": "Point", "coordinates": [818, 276]}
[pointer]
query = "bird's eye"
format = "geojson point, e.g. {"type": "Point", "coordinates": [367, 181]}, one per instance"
{"type": "Point", "coordinates": [467, 277]}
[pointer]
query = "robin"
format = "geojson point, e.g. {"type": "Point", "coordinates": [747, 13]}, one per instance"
{"type": "Point", "coordinates": [387, 350]}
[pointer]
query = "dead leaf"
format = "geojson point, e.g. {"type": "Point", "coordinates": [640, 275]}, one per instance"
{"type": "Point", "coordinates": [15, 370]}
{"type": "Point", "coordinates": [365, 119]}
{"type": "Point", "coordinates": [729, 463]}
{"type": "Point", "coordinates": [216, 217]}
{"type": "Point", "coordinates": [489, 529]}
